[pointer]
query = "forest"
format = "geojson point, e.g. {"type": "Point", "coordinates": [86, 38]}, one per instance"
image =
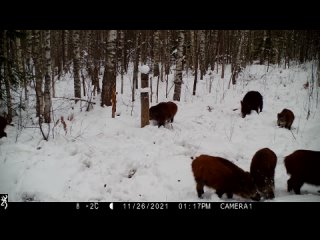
{"type": "Point", "coordinates": [32, 61]}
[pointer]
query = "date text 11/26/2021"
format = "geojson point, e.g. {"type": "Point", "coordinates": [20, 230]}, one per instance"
{"type": "Point", "coordinates": [186, 206]}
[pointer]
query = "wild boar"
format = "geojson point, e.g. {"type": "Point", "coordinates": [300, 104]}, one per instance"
{"type": "Point", "coordinates": [223, 176]}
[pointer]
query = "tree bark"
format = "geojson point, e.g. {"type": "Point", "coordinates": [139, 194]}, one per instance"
{"type": "Point", "coordinates": [156, 51]}
{"type": "Point", "coordinates": [144, 98]}
{"type": "Point", "coordinates": [38, 74]}
{"type": "Point", "coordinates": [65, 38]}
{"type": "Point", "coordinates": [178, 75]}
{"type": "Point", "coordinates": [196, 62]}
{"type": "Point", "coordinates": [109, 76]}
{"type": "Point", "coordinates": [202, 38]}
{"type": "Point", "coordinates": [236, 69]}
{"type": "Point", "coordinates": [122, 66]}
{"type": "Point", "coordinates": [7, 74]}
{"type": "Point", "coordinates": [136, 64]}
{"type": "Point", "coordinates": [47, 84]}
{"type": "Point", "coordinates": [222, 54]}
{"type": "Point", "coordinates": [76, 64]}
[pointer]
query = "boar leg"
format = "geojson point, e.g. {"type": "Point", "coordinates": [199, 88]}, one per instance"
{"type": "Point", "coordinates": [200, 186]}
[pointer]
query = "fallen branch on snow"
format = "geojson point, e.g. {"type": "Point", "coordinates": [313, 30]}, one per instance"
{"type": "Point", "coordinates": [73, 99]}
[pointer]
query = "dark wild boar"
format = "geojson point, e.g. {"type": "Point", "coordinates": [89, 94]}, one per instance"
{"type": "Point", "coordinates": [251, 101]}
{"type": "Point", "coordinates": [262, 170]}
{"type": "Point", "coordinates": [285, 118]}
{"type": "Point", "coordinates": [223, 176]}
{"type": "Point", "coordinates": [304, 167]}
{"type": "Point", "coordinates": [3, 124]}
{"type": "Point", "coordinates": [163, 112]}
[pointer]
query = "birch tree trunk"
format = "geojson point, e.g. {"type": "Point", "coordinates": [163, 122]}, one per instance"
{"type": "Point", "coordinates": [167, 59]}
{"type": "Point", "coordinates": [6, 69]}
{"type": "Point", "coordinates": [109, 76]}
{"type": "Point", "coordinates": [178, 75]}
{"type": "Point", "coordinates": [38, 74]}
{"type": "Point", "coordinates": [236, 68]}
{"type": "Point", "coordinates": [136, 66]}
{"type": "Point", "coordinates": [156, 54]}
{"type": "Point", "coordinates": [76, 65]}
{"type": "Point", "coordinates": [122, 66]}
{"type": "Point", "coordinates": [47, 83]}
{"type": "Point", "coordinates": [96, 62]}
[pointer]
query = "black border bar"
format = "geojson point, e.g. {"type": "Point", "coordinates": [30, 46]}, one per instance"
{"type": "Point", "coordinates": [163, 208]}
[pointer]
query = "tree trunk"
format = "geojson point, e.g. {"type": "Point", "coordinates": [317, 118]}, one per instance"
{"type": "Point", "coordinates": [136, 64]}
{"type": "Point", "coordinates": [114, 100]}
{"type": "Point", "coordinates": [2, 61]}
{"type": "Point", "coordinates": [190, 54]}
{"type": "Point", "coordinates": [167, 59]}
{"type": "Point", "coordinates": [76, 64]}
{"type": "Point", "coordinates": [236, 69]}
{"type": "Point", "coordinates": [196, 62]}
{"type": "Point", "coordinates": [222, 52]}
{"type": "Point", "coordinates": [94, 63]}
{"type": "Point", "coordinates": [156, 60]}
{"type": "Point", "coordinates": [217, 49]}
{"type": "Point", "coordinates": [178, 75]}
{"type": "Point", "coordinates": [202, 38]}
{"type": "Point", "coordinates": [109, 76]}
{"type": "Point", "coordinates": [318, 70]}
{"type": "Point", "coordinates": [38, 75]}
{"type": "Point", "coordinates": [96, 78]}
{"type": "Point", "coordinates": [20, 61]}
{"type": "Point", "coordinates": [122, 67]}
{"type": "Point", "coordinates": [262, 49]}
{"type": "Point", "coordinates": [7, 69]}
{"type": "Point", "coordinates": [47, 83]}
{"type": "Point", "coordinates": [156, 51]}
{"type": "Point", "coordinates": [151, 90]}
{"type": "Point", "coordinates": [29, 52]}
{"type": "Point", "coordinates": [65, 38]}
{"type": "Point", "coordinates": [144, 98]}
{"type": "Point", "coordinates": [144, 46]}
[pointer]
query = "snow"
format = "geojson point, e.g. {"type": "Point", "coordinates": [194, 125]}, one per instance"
{"type": "Point", "coordinates": [144, 69]}
{"type": "Point", "coordinates": [99, 158]}
{"type": "Point", "coordinates": [145, 90]}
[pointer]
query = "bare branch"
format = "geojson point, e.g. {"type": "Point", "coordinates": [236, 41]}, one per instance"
{"type": "Point", "coordinates": [78, 99]}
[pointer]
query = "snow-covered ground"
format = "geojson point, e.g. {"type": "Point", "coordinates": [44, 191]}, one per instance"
{"type": "Point", "coordinates": [93, 159]}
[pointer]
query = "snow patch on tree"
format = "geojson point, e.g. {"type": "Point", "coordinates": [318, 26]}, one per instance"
{"type": "Point", "coordinates": [144, 90]}
{"type": "Point", "coordinates": [144, 69]}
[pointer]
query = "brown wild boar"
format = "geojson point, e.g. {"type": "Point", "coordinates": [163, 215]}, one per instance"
{"type": "Point", "coordinates": [223, 176]}
{"type": "Point", "coordinates": [252, 101]}
{"type": "Point", "coordinates": [262, 170]}
{"type": "Point", "coordinates": [304, 167]}
{"type": "Point", "coordinates": [285, 118]}
{"type": "Point", "coordinates": [163, 112]}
